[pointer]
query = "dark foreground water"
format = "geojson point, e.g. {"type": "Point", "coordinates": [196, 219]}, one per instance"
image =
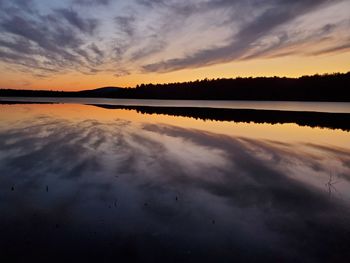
{"type": "Point", "coordinates": [106, 184]}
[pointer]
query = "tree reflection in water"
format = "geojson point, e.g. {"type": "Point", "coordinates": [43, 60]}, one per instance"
{"type": "Point", "coordinates": [119, 189]}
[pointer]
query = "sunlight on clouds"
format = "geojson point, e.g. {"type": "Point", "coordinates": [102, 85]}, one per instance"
{"type": "Point", "coordinates": [83, 44]}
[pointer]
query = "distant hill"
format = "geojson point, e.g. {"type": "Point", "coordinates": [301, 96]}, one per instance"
{"type": "Point", "coordinates": [105, 92]}
{"type": "Point", "coordinates": [100, 92]}
{"type": "Point", "coordinates": [329, 87]}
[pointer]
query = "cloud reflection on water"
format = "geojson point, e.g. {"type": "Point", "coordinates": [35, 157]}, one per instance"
{"type": "Point", "coordinates": [165, 191]}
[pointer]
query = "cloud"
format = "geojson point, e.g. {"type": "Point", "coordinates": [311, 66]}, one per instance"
{"type": "Point", "coordinates": [278, 13]}
{"type": "Point", "coordinates": [85, 25]}
{"type": "Point", "coordinates": [92, 2]}
{"type": "Point", "coordinates": [164, 36]}
{"type": "Point", "coordinates": [341, 47]}
{"type": "Point", "coordinates": [56, 42]}
{"type": "Point", "coordinates": [125, 23]}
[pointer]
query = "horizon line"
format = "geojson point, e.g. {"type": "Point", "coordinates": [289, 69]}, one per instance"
{"type": "Point", "coordinates": [197, 80]}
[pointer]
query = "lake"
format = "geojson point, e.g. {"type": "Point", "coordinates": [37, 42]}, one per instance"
{"type": "Point", "coordinates": [165, 181]}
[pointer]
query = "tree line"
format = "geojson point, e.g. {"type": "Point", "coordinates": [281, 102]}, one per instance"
{"type": "Point", "coordinates": [328, 87]}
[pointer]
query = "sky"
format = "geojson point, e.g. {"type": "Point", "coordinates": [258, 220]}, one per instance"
{"type": "Point", "coordinates": [84, 44]}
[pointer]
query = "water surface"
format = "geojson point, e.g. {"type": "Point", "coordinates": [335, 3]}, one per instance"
{"type": "Point", "coordinates": [335, 107]}
{"type": "Point", "coordinates": [86, 182]}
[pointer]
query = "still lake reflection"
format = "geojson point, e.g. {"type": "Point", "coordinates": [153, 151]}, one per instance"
{"type": "Point", "coordinates": [93, 183]}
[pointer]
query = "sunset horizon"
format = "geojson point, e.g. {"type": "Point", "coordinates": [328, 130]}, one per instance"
{"type": "Point", "coordinates": [74, 45]}
{"type": "Point", "coordinates": [175, 131]}
{"type": "Point", "coordinates": [91, 87]}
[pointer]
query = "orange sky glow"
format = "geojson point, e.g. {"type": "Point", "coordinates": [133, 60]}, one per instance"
{"type": "Point", "coordinates": [75, 45]}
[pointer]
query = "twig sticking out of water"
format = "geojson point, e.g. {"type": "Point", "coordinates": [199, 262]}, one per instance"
{"type": "Point", "coordinates": [330, 185]}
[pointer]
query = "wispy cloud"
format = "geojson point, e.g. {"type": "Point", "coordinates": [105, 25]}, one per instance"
{"type": "Point", "coordinates": [161, 36]}
{"type": "Point", "coordinates": [274, 15]}
{"type": "Point", "coordinates": [92, 2]}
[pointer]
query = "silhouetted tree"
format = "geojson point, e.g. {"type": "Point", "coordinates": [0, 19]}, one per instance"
{"type": "Point", "coordinates": [328, 87]}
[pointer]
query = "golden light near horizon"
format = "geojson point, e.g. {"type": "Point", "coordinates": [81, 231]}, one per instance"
{"type": "Point", "coordinates": [85, 44]}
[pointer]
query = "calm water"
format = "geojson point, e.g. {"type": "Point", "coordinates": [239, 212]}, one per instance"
{"type": "Point", "coordinates": [87, 182]}
{"type": "Point", "coordinates": [259, 105]}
